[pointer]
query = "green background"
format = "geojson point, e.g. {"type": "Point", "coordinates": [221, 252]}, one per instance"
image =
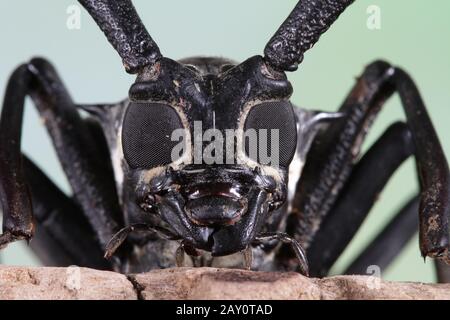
{"type": "Point", "coordinates": [413, 34]}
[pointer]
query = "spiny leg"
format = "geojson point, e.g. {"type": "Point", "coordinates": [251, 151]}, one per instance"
{"type": "Point", "coordinates": [334, 151]}
{"type": "Point", "coordinates": [390, 241]}
{"type": "Point", "coordinates": [63, 236]}
{"type": "Point", "coordinates": [86, 169]}
{"type": "Point", "coordinates": [367, 180]}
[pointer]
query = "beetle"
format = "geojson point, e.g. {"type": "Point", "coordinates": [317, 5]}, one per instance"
{"type": "Point", "coordinates": [145, 200]}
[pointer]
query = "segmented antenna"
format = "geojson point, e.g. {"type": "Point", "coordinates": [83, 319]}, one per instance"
{"type": "Point", "coordinates": [125, 31]}
{"type": "Point", "coordinates": [301, 30]}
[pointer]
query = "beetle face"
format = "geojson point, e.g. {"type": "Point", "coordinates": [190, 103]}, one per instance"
{"type": "Point", "coordinates": [207, 151]}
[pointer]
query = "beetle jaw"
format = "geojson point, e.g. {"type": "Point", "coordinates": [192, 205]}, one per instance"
{"type": "Point", "coordinates": [216, 210]}
{"type": "Point", "coordinates": [222, 239]}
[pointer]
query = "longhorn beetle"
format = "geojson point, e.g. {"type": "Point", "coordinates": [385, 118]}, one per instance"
{"type": "Point", "coordinates": [146, 208]}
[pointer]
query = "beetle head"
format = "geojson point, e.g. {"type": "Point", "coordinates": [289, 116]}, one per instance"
{"type": "Point", "coordinates": [213, 199]}
{"type": "Point", "coordinates": [207, 147]}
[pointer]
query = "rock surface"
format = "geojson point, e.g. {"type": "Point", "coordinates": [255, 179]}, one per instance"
{"type": "Point", "coordinates": [201, 283]}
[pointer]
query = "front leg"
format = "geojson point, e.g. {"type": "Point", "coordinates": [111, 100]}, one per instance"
{"type": "Point", "coordinates": [367, 180]}
{"type": "Point", "coordinates": [332, 156]}
{"type": "Point", "coordinates": [14, 193]}
{"type": "Point", "coordinates": [432, 168]}
{"type": "Point", "coordinates": [87, 170]}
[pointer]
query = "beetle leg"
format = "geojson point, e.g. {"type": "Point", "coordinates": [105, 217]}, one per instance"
{"type": "Point", "coordinates": [390, 241]}
{"type": "Point", "coordinates": [86, 168]}
{"type": "Point", "coordinates": [63, 236]}
{"type": "Point", "coordinates": [442, 271]}
{"type": "Point", "coordinates": [330, 161]}
{"type": "Point", "coordinates": [17, 216]}
{"type": "Point", "coordinates": [367, 180]}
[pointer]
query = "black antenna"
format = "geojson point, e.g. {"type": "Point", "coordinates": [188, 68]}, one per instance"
{"type": "Point", "coordinates": [301, 30]}
{"type": "Point", "coordinates": [125, 31]}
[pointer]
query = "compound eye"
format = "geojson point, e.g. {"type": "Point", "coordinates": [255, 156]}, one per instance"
{"type": "Point", "coordinates": [146, 134]}
{"type": "Point", "coordinates": [270, 133]}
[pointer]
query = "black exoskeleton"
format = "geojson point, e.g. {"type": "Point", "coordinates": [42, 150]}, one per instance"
{"type": "Point", "coordinates": [207, 163]}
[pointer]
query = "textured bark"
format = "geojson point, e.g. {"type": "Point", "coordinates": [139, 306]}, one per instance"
{"type": "Point", "coordinates": [201, 283]}
{"type": "Point", "coordinates": [63, 284]}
